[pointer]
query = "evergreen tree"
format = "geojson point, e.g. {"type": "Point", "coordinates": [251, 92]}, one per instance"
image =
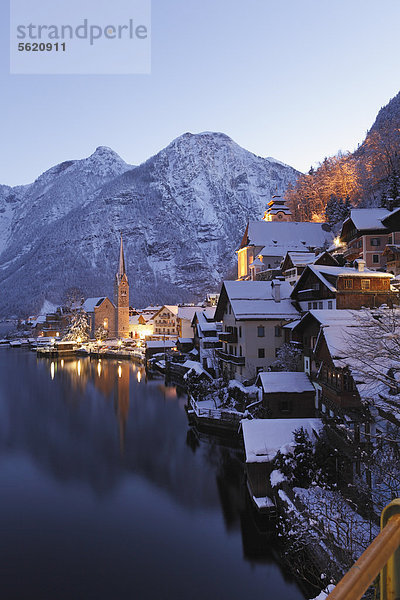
{"type": "Point", "coordinates": [303, 455]}
{"type": "Point", "coordinates": [78, 328]}
{"type": "Point", "coordinates": [393, 190]}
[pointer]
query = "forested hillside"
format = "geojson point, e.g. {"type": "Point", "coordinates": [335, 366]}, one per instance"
{"type": "Point", "coordinates": [367, 177]}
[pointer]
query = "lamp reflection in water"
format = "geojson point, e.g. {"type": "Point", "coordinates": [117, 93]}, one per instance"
{"type": "Point", "coordinates": [62, 363]}
{"type": "Point", "coordinates": [139, 376]}
{"type": "Point", "coordinates": [99, 368]}
{"type": "Point", "coordinates": [52, 370]}
{"type": "Point", "coordinates": [120, 371]}
{"type": "Point", "coordinates": [79, 368]}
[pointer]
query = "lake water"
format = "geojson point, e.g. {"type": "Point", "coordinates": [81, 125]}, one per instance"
{"type": "Point", "coordinates": [106, 493]}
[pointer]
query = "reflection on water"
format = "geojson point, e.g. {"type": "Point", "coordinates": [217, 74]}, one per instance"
{"type": "Point", "coordinates": [106, 492]}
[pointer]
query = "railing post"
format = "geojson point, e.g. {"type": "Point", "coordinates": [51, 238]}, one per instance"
{"type": "Point", "coordinates": [390, 574]}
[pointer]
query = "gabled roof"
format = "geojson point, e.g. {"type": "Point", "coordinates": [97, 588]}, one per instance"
{"type": "Point", "coordinates": [188, 312]}
{"type": "Point", "coordinates": [287, 235]}
{"type": "Point", "coordinates": [275, 382]}
{"type": "Point", "coordinates": [263, 438]}
{"type": "Point", "coordinates": [321, 271]}
{"type": "Point", "coordinates": [91, 303]}
{"type": "Point", "coordinates": [256, 300]}
{"type": "Point", "coordinates": [367, 218]}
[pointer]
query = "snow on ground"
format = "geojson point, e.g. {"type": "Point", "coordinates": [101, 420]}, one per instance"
{"type": "Point", "coordinates": [325, 593]}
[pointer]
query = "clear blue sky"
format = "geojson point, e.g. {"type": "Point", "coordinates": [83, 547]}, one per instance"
{"type": "Point", "coordinates": [296, 79]}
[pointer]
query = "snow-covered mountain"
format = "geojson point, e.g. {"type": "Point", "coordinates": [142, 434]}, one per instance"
{"type": "Point", "coordinates": [182, 214]}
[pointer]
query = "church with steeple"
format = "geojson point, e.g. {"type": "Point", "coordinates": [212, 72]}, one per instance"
{"type": "Point", "coordinates": [112, 316]}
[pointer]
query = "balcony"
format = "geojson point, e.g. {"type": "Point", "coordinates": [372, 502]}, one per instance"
{"type": "Point", "coordinates": [230, 337]}
{"type": "Point", "coordinates": [352, 253]}
{"type": "Point", "coordinates": [231, 358]}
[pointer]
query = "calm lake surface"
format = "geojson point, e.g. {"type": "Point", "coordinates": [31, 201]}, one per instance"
{"type": "Point", "coordinates": [106, 493]}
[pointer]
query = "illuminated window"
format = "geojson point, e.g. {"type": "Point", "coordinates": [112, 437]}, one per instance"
{"type": "Point", "coordinates": [365, 284]}
{"type": "Point", "coordinates": [348, 284]}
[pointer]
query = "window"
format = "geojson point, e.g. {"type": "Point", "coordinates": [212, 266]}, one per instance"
{"type": "Point", "coordinates": [348, 284]}
{"type": "Point", "coordinates": [375, 242]}
{"type": "Point", "coordinates": [278, 331]}
{"type": "Point", "coordinates": [330, 304]}
{"type": "Point", "coordinates": [309, 305]}
{"type": "Point", "coordinates": [240, 332]}
{"type": "Point", "coordinates": [315, 305]}
{"type": "Point", "coordinates": [320, 305]}
{"type": "Point", "coordinates": [240, 351]}
{"type": "Point", "coordinates": [285, 406]}
{"type": "Point", "coordinates": [315, 286]}
{"type": "Point", "coordinates": [261, 353]}
{"type": "Point", "coordinates": [375, 258]}
{"type": "Point", "coordinates": [260, 331]}
{"type": "Point", "coordinates": [365, 284]}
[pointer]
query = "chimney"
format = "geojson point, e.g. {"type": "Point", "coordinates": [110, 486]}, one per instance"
{"type": "Point", "coordinates": [277, 290]}
{"type": "Point", "coordinates": [360, 265]}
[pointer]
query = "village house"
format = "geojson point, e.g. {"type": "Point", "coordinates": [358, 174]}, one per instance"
{"type": "Point", "coordinates": [269, 241]}
{"type": "Point", "coordinates": [391, 252]}
{"type": "Point", "coordinates": [263, 439]}
{"type": "Point", "coordinates": [286, 394]}
{"type": "Point", "coordinates": [325, 287]}
{"type": "Point", "coordinates": [206, 338]}
{"type": "Point", "coordinates": [175, 321]}
{"type": "Point", "coordinates": [141, 325]}
{"type": "Point", "coordinates": [294, 263]}
{"type": "Point", "coordinates": [252, 315]}
{"type": "Point", "coordinates": [365, 236]}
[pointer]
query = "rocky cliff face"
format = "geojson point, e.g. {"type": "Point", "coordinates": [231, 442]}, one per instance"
{"type": "Point", "coordinates": [182, 214]}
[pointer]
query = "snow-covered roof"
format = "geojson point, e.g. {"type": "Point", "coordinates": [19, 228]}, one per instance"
{"type": "Point", "coordinates": [171, 307]}
{"type": "Point", "coordinates": [39, 319]}
{"type": "Point", "coordinates": [301, 258]}
{"type": "Point", "coordinates": [134, 320]}
{"type": "Point", "coordinates": [161, 344]}
{"type": "Point", "coordinates": [151, 309]}
{"type": "Point", "coordinates": [322, 270]}
{"type": "Point", "coordinates": [90, 303]}
{"type": "Point", "coordinates": [285, 382]}
{"type": "Point", "coordinates": [263, 438]}
{"type": "Point", "coordinates": [255, 299]}
{"type": "Point", "coordinates": [288, 234]}
{"type": "Point", "coordinates": [188, 312]}
{"type": "Point", "coordinates": [368, 218]}
{"type": "Point", "coordinates": [185, 340]}
{"type": "Point", "coordinates": [334, 316]}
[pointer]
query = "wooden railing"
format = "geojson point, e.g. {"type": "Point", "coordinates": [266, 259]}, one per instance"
{"type": "Point", "coordinates": [382, 556]}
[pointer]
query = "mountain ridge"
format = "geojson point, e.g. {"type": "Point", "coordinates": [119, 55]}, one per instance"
{"type": "Point", "coordinates": [182, 212]}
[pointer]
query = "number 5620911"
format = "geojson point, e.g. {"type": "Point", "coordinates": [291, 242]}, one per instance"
{"type": "Point", "coordinates": [41, 47]}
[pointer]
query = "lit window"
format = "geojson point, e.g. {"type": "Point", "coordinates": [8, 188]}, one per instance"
{"type": "Point", "coordinates": [365, 284]}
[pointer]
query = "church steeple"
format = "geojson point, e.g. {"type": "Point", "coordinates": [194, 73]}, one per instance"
{"type": "Point", "coordinates": [121, 265]}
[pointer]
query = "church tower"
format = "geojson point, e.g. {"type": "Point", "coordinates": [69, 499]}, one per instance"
{"type": "Point", "coordinates": [121, 297]}
{"type": "Point", "coordinates": [277, 210]}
